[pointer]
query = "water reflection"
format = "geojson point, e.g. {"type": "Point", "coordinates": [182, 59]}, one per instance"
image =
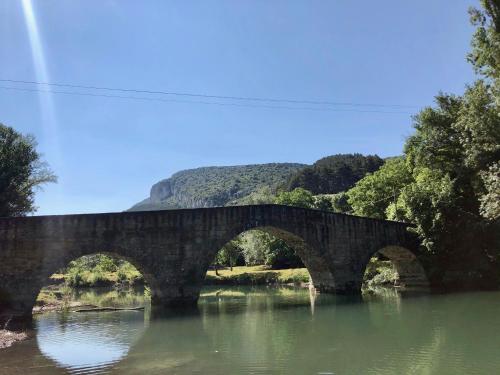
{"type": "Point", "coordinates": [265, 330]}
{"type": "Point", "coordinates": [82, 342]}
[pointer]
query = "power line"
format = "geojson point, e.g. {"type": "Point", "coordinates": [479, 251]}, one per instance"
{"type": "Point", "coordinates": [224, 97]}
{"type": "Point", "coordinates": [201, 102]}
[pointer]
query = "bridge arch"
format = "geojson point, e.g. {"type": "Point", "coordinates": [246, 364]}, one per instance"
{"type": "Point", "coordinates": [321, 275]}
{"type": "Point", "coordinates": [411, 272]}
{"type": "Point", "coordinates": [21, 292]}
{"type": "Point", "coordinates": [92, 268]}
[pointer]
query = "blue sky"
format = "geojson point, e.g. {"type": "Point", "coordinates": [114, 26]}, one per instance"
{"type": "Point", "coordinates": [108, 152]}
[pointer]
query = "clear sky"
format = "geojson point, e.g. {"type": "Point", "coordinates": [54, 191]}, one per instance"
{"type": "Point", "coordinates": [107, 152]}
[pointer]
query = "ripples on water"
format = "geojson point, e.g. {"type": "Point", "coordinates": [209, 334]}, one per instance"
{"type": "Point", "coordinates": [272, 331]}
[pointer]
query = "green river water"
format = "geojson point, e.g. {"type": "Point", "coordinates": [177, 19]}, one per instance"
{"type": "Point", "coordinates": [270, 331]}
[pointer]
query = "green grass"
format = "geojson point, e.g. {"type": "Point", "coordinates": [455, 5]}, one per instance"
{"type": "Point", "coordinates": [257, 275]}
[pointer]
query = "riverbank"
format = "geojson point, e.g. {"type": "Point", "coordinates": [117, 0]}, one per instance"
{"type": "Point", "coordinates": [377, 273]}
{"type": "Point", "coordinates": [257, 275]}
{"type": "Point", "coordinates": [8, 338]}
{"type": "Point", "coordinates": [128, 290]}
{"type": "Point", "coordinates": [243, 275]}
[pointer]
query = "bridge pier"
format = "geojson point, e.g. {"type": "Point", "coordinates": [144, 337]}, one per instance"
{"type": "Point", "coordinates": [174, 296]}
{"type": "Point", "coordinates": [17, 297]}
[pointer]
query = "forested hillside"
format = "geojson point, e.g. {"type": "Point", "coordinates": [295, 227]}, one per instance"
{"type": "Point", "coordinates": [216, 186]}
{"type": "Point", "coordinates": [335, 173]}
{"type": "Point", "coordinates": [258, 183]}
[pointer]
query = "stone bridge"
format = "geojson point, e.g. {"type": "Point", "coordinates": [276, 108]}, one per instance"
{"type": "Point", "coordinates": [174, 248]}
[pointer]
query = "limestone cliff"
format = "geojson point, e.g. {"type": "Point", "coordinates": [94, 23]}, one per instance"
{"type": "Point", "coordinates": [215, 186]}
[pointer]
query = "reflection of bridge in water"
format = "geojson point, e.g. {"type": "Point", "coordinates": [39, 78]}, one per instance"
{"type": "Point", "coordinates": [174, 248]}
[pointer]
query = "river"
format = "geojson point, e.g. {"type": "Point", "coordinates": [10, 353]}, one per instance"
{"type": "Point", "coordinates": [270, 331]}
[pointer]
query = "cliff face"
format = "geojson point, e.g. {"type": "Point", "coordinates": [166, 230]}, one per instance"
{"type": "Point", "coordinates": [215, 186]}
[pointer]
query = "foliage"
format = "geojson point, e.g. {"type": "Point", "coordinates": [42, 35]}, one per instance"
{"type": "Point", "coordinates": [279, 255]}
{"type": "Point", "coordinates": [304, 198]}
{"type": "Point", "coordinates": [263, 195]}
{"type": "Point", "coordinates": [340, 203]}
{"type": "Point", "coordinates": [231, 254]}
{"type": "Point", "coordinates": [448, 182]}
{"type": "Point", "coordinates": [485, 54]}
{"type": "Point", "coordinates": [128, 274]}
{"type": "Point", "coordinates": [442, 183]}
{"type": "Point", "coordinates": [22, 171]}
{"type": "Point", "coordinates": [490, 201]}
{"type": "Point", "coordinates": [372, 195]}
{"type": "Point", "coordinates": [298, 197]}
{"type": "Point", "coordinates": [254, 244]}
{"type": "Point", "coordinates": [323, 202]}
{"type": "Point", "coordinates": [257, 247]}
{"type": "Point", "coordinates": [101, 270]}
{"type": "Point", "coordinates": [380, 272]}
{"type": "Point", "coordinates": [448, 185]}
{"type": "Point", "coordinates": [335, 173]}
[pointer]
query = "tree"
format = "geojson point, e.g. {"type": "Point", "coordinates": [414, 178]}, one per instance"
{"type": "Point", "coordinates": [22, 172]}
{"type": "Point", "coordinates": [340, 203]}
{"type": "Point", "coordinates": [323, 202]}
{"type": "Point", "coordinates": [254, 245]}
{"type": "Point", "coordinates": [372, 195]}
{"type": "Point", "coordinates": [447, 162]}
{"type": "Point", "coordinates": [485, 54]}
{"type": "Point", "coordinates": [263, 195]}
{"type": "Point", "coordinates": [490, 201]}
{"type": "Point", "coordinates": [279, 255]}
{"type": "Point", "coordinates": [297, 197]}
{"type": "Point", "coordinates": [229, 254]}
{"type": "Point", "coordinates": [447, 179]}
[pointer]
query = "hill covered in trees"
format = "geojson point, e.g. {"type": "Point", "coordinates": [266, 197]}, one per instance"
{"type": "Point", "coordinates": [258, 183]}
{"type": "Point", "coordinates": [334, 174]}
{"type": "Point", "coordinates": [216, 186]}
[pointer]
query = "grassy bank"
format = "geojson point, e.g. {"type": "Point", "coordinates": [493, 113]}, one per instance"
{"type": "Point", "coordinates": [378, 273]}
{"type": "Point", "coordinates": [256, 275]}
{"type": "Point", "coordinates": [81, 276]}
{"type": "Point", "coordinates": [73, 289]}
{"type": "Point", "coordinates": [64, 298]}
{"type": "Point", "coordinates": [103, 271]}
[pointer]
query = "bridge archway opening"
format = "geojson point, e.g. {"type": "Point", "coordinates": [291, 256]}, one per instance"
{"type": "Point", "coordinates": [269, 255]}
{"type": "Point", "coordinates": [395, 266]}
{"type": "Point", "coordinates": [97, 280]}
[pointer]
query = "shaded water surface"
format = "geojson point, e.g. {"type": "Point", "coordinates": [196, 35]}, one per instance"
{"type": "Point", "coordinates": [271, 331]}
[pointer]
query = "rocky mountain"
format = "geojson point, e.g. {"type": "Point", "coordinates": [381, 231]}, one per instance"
{"type": "Point", "coordinates": [216, 186]}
